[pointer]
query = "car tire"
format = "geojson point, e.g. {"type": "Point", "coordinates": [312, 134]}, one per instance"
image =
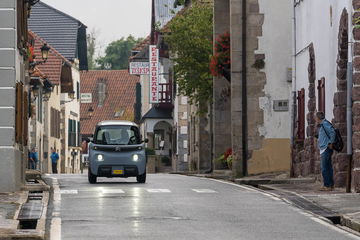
{"type": "Point", "coordinates": [91, 177]}
{"type": "Point", "coordinates": [141, 178]}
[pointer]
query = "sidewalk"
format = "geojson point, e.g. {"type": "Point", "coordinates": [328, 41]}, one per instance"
{"type": "Point", "coordinates": [334, 204]}
{"type": "Point", "coordinates": [23, 213]}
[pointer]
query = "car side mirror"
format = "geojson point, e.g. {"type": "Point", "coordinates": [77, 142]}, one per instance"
{"type": "Point", "coordinates": [146, 140]}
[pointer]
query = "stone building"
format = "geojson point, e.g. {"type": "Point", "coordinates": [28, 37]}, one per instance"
{"type": "Point", "coordinates": [14, 88]}
{"type": "Point", "coordinates": [255, 102]}
{"type": "Point", "coordinates": [322, 81]}
{"type": "Point", "coordinates": [68, 36]}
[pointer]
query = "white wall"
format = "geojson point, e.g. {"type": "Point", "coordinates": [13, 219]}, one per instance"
{"type": "Point", "coordinates": [276, 44]}
{"type": "Point", "coordinates": [316, 25]}
{"type": "Point", "coordinates": [72, 111]}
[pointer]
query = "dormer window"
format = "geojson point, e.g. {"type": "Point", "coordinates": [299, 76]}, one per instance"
{"type": "Point", "coordinates": [101, 92]}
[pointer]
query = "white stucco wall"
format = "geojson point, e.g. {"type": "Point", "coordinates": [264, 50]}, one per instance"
{"type": "Point", "coordinates": [316, 25]}
{"type": "Point", "coordinates": [276, 44]}
{"type": "Point", "coordinates": [72, 111]}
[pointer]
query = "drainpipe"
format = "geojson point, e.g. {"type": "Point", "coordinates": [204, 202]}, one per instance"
{"type": "Point", "coordinates": [211, 168]}
{"type": "Point", "coordinates": [293, 92]}
{"type": "Point", "coordinates": [244, 92]}
{"type": "Point", "coordinates": [349, 99]}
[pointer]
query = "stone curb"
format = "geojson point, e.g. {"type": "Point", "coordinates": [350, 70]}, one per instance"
{"type": "Point", "coordinates": [346, 220]}
{"type": "Point", "coordinates": [350, 223]}
{"type": "Point", "coordinates": [257, 182]}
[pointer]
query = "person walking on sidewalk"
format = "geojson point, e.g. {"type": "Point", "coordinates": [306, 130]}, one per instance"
{"type": "Point", "coordinates": [326, 138]}
{"type": "Point", "coordinates": [33, 158]}
{"type": "Point", "coordinates": [54, 159]}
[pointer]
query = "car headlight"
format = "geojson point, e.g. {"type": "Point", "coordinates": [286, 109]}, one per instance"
{"type": "Point", "coordinates": [135, 157]}
{"type": "Point", "coordinates": [100, 158]}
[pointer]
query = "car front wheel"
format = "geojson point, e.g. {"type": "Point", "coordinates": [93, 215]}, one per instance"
{"type": "Point", "coordinates": [141, 178]}
{"type": "Point", "coordinates": [91, 177]}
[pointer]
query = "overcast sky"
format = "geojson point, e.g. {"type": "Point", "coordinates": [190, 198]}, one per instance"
{"type": "Point", "coordinates": [112, 19]}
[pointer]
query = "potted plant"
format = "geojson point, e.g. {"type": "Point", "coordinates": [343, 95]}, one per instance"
{"type": "Point", "coordinates": [226, 159]}
{"type": "Point", "coordinates": [220, 62]}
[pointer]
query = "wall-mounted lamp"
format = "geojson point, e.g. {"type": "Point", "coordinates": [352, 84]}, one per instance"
{"type": "Point", "coordinates": [71, 95]}
{"type": "Point", "coordinates": [90, 112]}
{"type": "Point", "coordinates": [44, 54]}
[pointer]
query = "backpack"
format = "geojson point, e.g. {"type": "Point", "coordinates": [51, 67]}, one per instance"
{"type": "Point", "coordinates": [338, 144]}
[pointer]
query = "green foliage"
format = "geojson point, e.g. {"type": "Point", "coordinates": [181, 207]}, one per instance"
{"type": "Point", "coordinates": [91, 47]}
{"type": "Point", "coordinates": [190, 42]}
{"type": "Point", "coordinates": [117, 53]}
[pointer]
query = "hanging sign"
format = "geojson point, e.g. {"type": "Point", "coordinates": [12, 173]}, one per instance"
{"type": "Point", "coordinates": [154, 73]}
{"type": "Point", "coordinates": [139, 68]}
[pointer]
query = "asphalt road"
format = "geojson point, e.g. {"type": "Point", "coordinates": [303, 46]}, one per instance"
{"type": "Point", "coordinates": [176, 207]}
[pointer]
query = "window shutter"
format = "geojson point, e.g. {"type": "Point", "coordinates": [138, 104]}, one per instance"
{"type": "Point", "coordinates": [78, 135]}
{"type": "Point", "coordinates": [69, 132]}
{"type": "Point", "coordinates": [26, 117]}
{"type": "Point", "coordinates": [19, 113]}
{"type": "Point", "coordinates": [301, 115]}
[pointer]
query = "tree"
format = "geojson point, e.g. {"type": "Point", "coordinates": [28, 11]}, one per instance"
{"type": "Point", "coordinates": [91, 47]}
{"type": "Point", "coordinates": [117, 53]}
{"type": "Point", "coordinates": [190, 41]}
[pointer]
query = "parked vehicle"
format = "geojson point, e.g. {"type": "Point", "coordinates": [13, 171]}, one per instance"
{"type": "Point", "coordinates": [117, 150]}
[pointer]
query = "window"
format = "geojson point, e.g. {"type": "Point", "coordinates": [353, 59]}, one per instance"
{"type": "Point", "coordinates": [40, 107]}
{"type": "Point", "coordinates": [301, 115]}
{"type": "Point", "coordinates": [101, 93]}
{"type": "Point", "coordinates": [321, 95]}
{"type": "Point", "coordinates": [117, 135]}
{"type": "Point", "coordinates": [77, 90]}
{"type": "Point", "coordinates": [72, 133]}
{"type": "Point", "coordinates": [78, 135]}
{"type": "Point", "coordinates": [159, 135]}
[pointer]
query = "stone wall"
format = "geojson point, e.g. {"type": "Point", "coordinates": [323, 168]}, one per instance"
{"type": "Point", "coordinates": [221, 88]}
{"type": "Point", "coordinates": [356, 103]}
{"type": "Point", "coordinates": [341, 160]}
{"type": "Point", "coordinates": [305, 162]}
{"type": "Point", "coordinates": [255, 81]}
{"type": "Point", "coordinates": [12, 154]}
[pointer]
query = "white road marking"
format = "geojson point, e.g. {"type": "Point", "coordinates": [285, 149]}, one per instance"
{"type": "Point", "coordinates": [111, 191]}
{"type": "Point", "coordinates": [204, 190]}
{"type": "Point", "coordinates": [64, 191]}
{"type": "Point", "coordinates": [55, 228]}
{"type": "Point", "coordinates": [158, 190]}
{"type": "Point", "coordinates": [55, 232]}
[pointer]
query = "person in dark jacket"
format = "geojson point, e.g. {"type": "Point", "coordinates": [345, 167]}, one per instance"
{"type": "Point", "coordinates": [54, 159]}
{"type": "Point", "coordinates": [326, 138]}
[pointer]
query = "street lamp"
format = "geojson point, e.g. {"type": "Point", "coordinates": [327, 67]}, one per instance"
{"type": "Point", "coordinates": [44, 54]}
{"type": "Point", "coordinates": [71, 95]}
{"type": "Point", "coordinates": [90, 112]}
{"type": "Point", "coordinates": [35, 90]}
{"type": "Point", "coordinates": [46, 94]}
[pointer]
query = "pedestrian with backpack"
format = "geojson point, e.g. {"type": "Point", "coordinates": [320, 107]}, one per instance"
{"type": "Point", "coordinates": [326, 140]}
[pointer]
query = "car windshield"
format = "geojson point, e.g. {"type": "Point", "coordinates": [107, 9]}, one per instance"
{"type": "Point", "coordinates": [117, 135]}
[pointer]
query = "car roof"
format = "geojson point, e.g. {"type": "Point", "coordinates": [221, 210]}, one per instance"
{"type": "Point", "coordinates": [116, 122]}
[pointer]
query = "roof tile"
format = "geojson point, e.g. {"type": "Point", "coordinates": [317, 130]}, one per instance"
{"type": "Point", "coordinates": [120, 95]}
